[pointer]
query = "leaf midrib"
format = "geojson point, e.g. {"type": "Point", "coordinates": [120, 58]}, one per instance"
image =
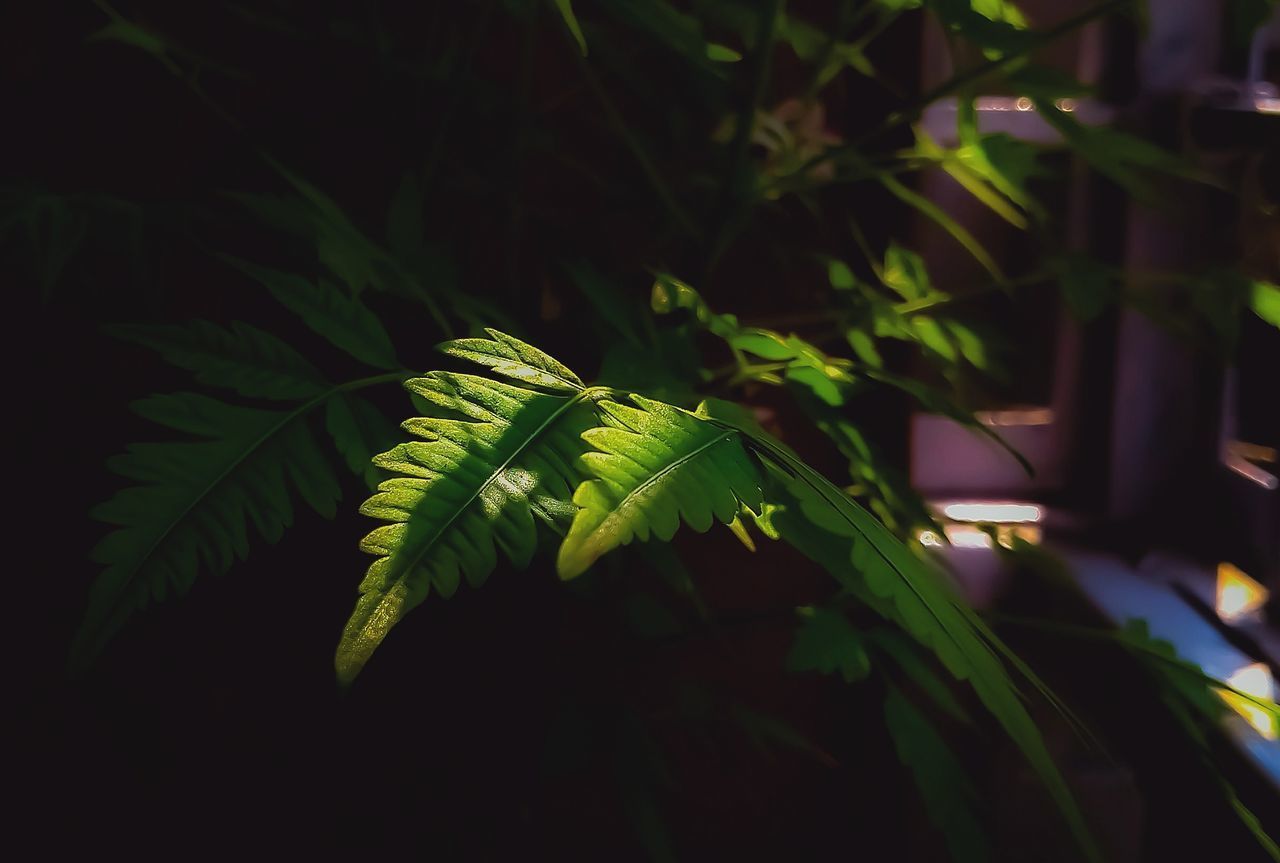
{"type": "Point", "coordinates": [841, 505]}
{"type": "Point", "coordinates": [577, 398]}
{"type": "Point", "coordinates": [196, 499]}
{"type": "Point", "coordinates": [726, 435]}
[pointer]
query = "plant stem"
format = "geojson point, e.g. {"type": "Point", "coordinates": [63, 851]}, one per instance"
{"type": "Point", "coordinates": [970, 76]}
{"type": "Point", "coordinates": [740, 146]}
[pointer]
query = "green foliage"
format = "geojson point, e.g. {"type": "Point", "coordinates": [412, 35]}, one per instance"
{"type": "Point", "coordinates": [243, 358]}
{"type": "Point", "coordinates": [471, 487]}
{"type": "Point", "coordinates": [565, 8]}
{"type": "Point", "coordinates": [198, 501]}
{"type": "Point", "coordinates": [654, 467]}
{"type": "Point", "coordinates": [501, 469]}
{"type": "Point", "coordinates": [342, 320]}
{"type": "Point", "coordinates": [864, 557]}
{"type": "Point", "coordinates": [949, 796]}
{"type": "Point", "coordinates": [827, 643]}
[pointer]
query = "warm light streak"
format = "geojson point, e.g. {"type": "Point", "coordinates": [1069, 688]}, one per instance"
{"type": "Point", "coordinates": [1028, 533]}
{"type": "Point", "coordinates": [1250, 471]}
{"type": "Point", "coordinates": [1020, 417]}
{"type": "Point", "coordinates": [995, 513]}
{"type": "Point", "coordinates": [1239, 597]}
{"type": "Point", "coordinates": [1253, 451]}
{"type": "Point", "coordinates": [1255, 680]}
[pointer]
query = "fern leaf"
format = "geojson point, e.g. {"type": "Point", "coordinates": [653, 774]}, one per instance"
{"type": "Point", "coordinates": [197, 502]}
{"type": "Point", "coordinates": [359, 431]}
{"type": "Point", "coordinates": [949, 798]}
{"type": "Point", "coordinates": [512, 358]}
{"type": "Point", "coordinates": [243, 358]}
{"type": "Point", "coordinates": [343, 320]}
{"type": "Point", "coordinates": [472, 487]}
{"type": "Point", "coordinates": [825, 524]}
{"type": "Point", "coordinates": [655, 466]}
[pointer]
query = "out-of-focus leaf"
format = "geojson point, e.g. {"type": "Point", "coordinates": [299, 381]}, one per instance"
{"type": "Point", "coordinates": [1086, 285]}
{"type": "Point", "coordinates": [1131, 162]}
{"type": "Point", "coordinates": [243, 358]}
{"type": "Point", "coordinates": [1264, 299]}
{"type": "Point", "coordinates": [669, 294]}
{"type": "Point", "coordinates": [905, 272]}
{"type": "Point", "coordinates": [827, 643]}
{"type": "Point", "coordinates": [722, 53]}
{"type": "Point", "coordinates": [764, 730]}
{"type": "Point", "coordinates": [996, 26]}
{"type": "Point", "coordinates": [359, 431]}
{"type": "Point", "coordinates": [911, 660]}
{"type": "Point", "coordinates": [940, 217]}
{"type": "Point", "coordinates": [129, 33]}
{"type": "Point", "coordinates": [608, 299]}
{"type": "Point", "coordinates": [665, 24]}
{"type": "Point", "coordinates": [839, 275]}
{"type": "Point", "coordinates": [763, 343]}
{"type": "Point", "coordinates": [343, 320]}
{"type": "Point", "coordinates": [565, 8]}
{"type": "Point", "coordinates": [949, 798]}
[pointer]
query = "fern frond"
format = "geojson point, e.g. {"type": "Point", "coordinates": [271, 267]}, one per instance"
{"type": "Point", "coordinates": [655, 466]}
{"type": "Point", "coordinates": [512, 358]}
{"type": "Point", "coordinates": [243, 358]}
{"type": "Point", "coordinates": [470, 488]}
{"type": "Point", "coordinates": [198, 501]}
{"type": "Point", "coordinates": [949, 797]}
{"type": "Point", "coordinates": [341, 319]}
{"type": "Point", "coordinates": [824, 523]}
{"type": "Point", "coordinates": [359, 431]}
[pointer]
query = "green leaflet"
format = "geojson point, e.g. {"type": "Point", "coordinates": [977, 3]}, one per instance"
{"type": "Point", "coordinates": [565, 8]}
{"type": "Point", "coordinates": [359, 431]}
{"type": "Point", "coordinates": [344, 321]}
{"type": "Point", "coordinates": [243, 358]}
{"type": "Point", "coordinates": [826, 642]}
{"type": "Point", "coordinates": [949, 797]}
{"type": "Point", "coordinates": [514, 359]}
{"type": "Point", "coordinates": [197, 502]}
{"type": "Point", "coordinates": [655, 466]}
{"type": "Point", "coordinates": [471, 488]}
{"type": "Point", "coordinates": [1264, 299]}
{"type": "Point", "coordinates": [826, 525]}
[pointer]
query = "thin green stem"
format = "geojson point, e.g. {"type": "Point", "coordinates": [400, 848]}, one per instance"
{"type": "Point", "coordinates": [740, 146]}
{"type": "Point", "coordinates": [969, 77]}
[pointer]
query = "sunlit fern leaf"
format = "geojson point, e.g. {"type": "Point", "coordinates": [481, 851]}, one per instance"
{"type": "Point", "coordinates": [949, 797]}
{"type": "Point", "coordinates": [823, 523]}
{"type": "Point", "coordinates": [243, 358]}
{"type": "Point", "coordinates": [512, 358]}
{"type": "Point", "coordinates": [342, 319]}
{"type": "Point", "coordinates": [197, 503]}
{"type": "Point", "coordinates": [472, 487]}
{"type": "Point", "coordinates": [655, 466]}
